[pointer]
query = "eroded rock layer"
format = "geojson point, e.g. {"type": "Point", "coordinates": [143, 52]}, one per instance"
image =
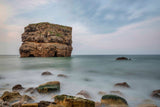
{"type": "Point", "coordinates": [46, 40]}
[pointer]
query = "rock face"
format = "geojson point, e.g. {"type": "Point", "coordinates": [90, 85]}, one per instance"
{"type": "Point", "coordinates": [46, 40]}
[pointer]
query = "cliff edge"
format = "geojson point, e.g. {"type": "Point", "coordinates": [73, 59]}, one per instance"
{"type": "Point", "coordinates": [46, 40]}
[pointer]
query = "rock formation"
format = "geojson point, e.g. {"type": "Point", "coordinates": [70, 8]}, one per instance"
{"type": "Point", "coordinates": [46, 40]}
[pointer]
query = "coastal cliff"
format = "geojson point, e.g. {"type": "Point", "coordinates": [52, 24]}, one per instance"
{"type": "Point", "coordinates": [46, 40]}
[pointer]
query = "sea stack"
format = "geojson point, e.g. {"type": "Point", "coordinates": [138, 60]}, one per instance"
{"type": "Point", "coordinates": [46, 40]}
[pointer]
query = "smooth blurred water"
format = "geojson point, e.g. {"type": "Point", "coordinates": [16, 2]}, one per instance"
{"type": "Point", "coordinates": [93, 73]}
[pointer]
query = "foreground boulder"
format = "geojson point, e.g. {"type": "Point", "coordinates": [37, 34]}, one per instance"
{"type": "Point", "coordinates": [122, 58]}
{"type": "Point", "coordinates": [11, 96]}
{"type": "Point", "coordinates": [17, 87]}
{"type": "Point", "coordinates": [123, 84]}
{"type": "Point", "coordinates": [113, 101]}
{"type": "Point", "coordinates": [46, 40]}
{"type": "Point", "coordinates": [71, 101]}
{"type": "Point", "coordinates": [49, 87]}
{"type": "Point", "coordinates": [156, 94]}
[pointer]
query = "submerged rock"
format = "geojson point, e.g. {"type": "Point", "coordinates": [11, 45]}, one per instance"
{"type": "Point", "coordinates": [98, 104]}
{"type": "Point", "coordinates": [102, 93]}
{"type": "Point", "coordinates": [156, 94]}
{"type": "Point", "coordinates": [46, 40]}
{"type": "Point", "coordinates": [46, 73]}
{"type": "Point", "coordinates": [17, 87]}
{"type": "Point", "coordinates": [11, 96]}
{"type": "Point", "coordinates": [117, 92]}
{"type": "Point", "coordinates": [123, 84]}
{"type": "Point", "coordinates": [26, 98]}
{"type": "Point", "coordinates": [31, 90]}
{"type": "Point", "coordinates": [84, 93]}
{"type": "Point", "coordinates": [122, 58]}
{"type": "Point", "coordinates": [62, 75]}
{"type": "Point", "coordinates": [147, 103]}
{"type": "Point", "coordinates": [49, 87]}
{"type": "Point", "coordinates": [71, 101]}
{"type": "Point", "coordinates": [113, 101]}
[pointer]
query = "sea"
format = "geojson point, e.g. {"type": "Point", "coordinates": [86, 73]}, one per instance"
{"type": "Point", "coordinates": [92, 73]}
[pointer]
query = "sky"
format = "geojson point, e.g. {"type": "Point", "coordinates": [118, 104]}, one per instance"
{"type": "Point", "coordinates": [99, 26]}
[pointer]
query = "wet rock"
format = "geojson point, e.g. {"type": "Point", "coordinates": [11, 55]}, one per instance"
{"type": "Point", "coordinates": [122, 58]}
{"type": "Point", "coordinates": [102, 93]}
{"type": "Point", "coordinates": [17, 87]}
{"type": "Point", "coordinates": [31, 90]}
{"type": "Point", "coordinates": [84, 93]}
{"type": "Point", "coordinates": [44, 103]}
{"type": "Point", "coordinates": [46, 73]}
{"type": "Point", "coordinates": [49, 87]}
{"type": "Point", "coordinates": [11, 96]}
{"type": "Point", "coordinates": [98, 104]}
{"type": "Point", "coordinates": [17, 104]}
{"type": "Point", "coordinates": [123, 84]}
{"type": "Point", "coordinates": [113, 101]}
{"type": "Point", "coordinates": [117, 93]}
{"type": "Point", "coordinates": [62, 75]}
{"type": "Point", "coordinates": [55, 105]}
{"type": "Point", "coordinates": [71, 101]}
{"type": "Point", "coordinates": [156, 94]}
{"type": "Point", "coordinates": [30, 105]}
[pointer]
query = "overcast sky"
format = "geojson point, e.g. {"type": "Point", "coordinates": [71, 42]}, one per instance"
{"type": "Point", "coordinates": [99, 26]}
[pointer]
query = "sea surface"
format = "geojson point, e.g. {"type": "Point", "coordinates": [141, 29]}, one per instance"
{"type": "Point", "coordinates": [92, 73]}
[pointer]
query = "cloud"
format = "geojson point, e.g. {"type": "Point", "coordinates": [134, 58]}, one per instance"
{"type": "Point", "coordinates": [138, 38]}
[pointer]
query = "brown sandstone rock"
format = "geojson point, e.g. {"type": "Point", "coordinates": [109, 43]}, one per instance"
{"type": "Point", "coordinates": [49, 87]}
{"type": "Point", "coordinates": [123, 84]}
{"type": "Point", "coordinates": [98, 104]}
{"type": "Point", "coordinates": [44, 103]}
{"type": "Point", "coordinates": [30, 105]}
{"type": "Point", "coordinates": [46, 40]}
{"type": "Point", "coordinates": [11, 96]}
{"type": "Point", "coordinates": [17, 87]}
{"type": "Point", "coordinates": [31, 90]}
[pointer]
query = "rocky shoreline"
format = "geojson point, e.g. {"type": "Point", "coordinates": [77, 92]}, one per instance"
{"type": "Point", "coordinates": [81, 99]}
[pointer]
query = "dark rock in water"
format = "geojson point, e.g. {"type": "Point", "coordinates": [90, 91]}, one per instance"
{"type": "Point", "coordinates": [71, 101]}
{"type": "Point", "coordinates": [17, 87]}
{"type": "Point", "coordinates": [26, 98]}
{"type": "Point", "coordinates": [84, 93]}
{"type": "Point", "coordinates": [156, 94]}
{"type": "Point", "coordinates": [46, 73]}
{"type": "Point", "coordinates": [123, 84]}
{"type": "Point", "coordinates": [11, 96]}
{"type": "Point", "coordinates": [113, 101]}
{"type": "Point", "coordinates": [122, 58]}
{"type": "Point", "coordinates": [49, 87]}
{"type": "Point", "coordinates": [31, 90]}
{"type": "Point", "coordinates": [62, 75]}
{"type": "Point", "coordinates": [44, 103]}
{"type": "Point", "coordinates": [46, 40]}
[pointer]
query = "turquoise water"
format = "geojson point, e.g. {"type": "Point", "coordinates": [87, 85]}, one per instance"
{"type": "Point", "coordinates": [93, 73]}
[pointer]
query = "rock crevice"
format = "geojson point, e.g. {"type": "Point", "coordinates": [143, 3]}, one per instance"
{"type": "Point", "coordinates": [46, 40]}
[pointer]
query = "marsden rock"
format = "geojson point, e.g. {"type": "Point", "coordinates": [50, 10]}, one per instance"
{"type": "Point", "coordinates": [46, 40]}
